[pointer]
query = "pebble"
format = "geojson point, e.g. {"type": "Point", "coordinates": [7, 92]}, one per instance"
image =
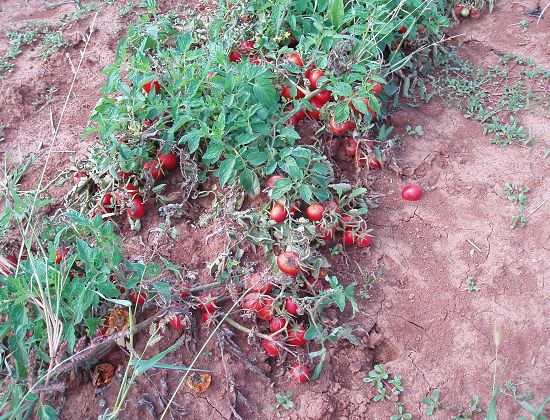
{"type": "Point", "coordinates": [388, 304]}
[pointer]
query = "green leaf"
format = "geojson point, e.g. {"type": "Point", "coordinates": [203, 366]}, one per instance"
{"type": "Point", "coordinates": [305, 193]}
{"type": "Point", "coordinates": [192, 140]}
{"type": "Point", "coordinates": [246, 179]}
{"type": "Point", "coordinates": [257, 157]}
{"type": "Point", "coordinates": [225, 171]}
{"type": "Point", "coordinates": [341, 113]}
{"type": "Point", "coordinates": [312, 332]}
{"type": "Point", "coordinates": [214, 151]}
{"type": "Point", "coordinates": [336, 13]}
{"type": "Point", "coordinates": [46, 412]}
{"type": "Point", "coordinates": [282, 186]}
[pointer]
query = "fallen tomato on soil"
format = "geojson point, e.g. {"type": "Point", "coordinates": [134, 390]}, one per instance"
{"type": "Point", "coordinates": [412, 192]}
{"type": "Point", "coordinates": [299, 373]}
{"type": "Point", "coordinates": [271, 347]}
{"type": "Point", "coordinates": [136, 209]}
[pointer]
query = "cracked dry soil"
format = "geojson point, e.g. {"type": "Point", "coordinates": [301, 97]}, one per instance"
{"type": "Point", "coordinates": [419, 321]}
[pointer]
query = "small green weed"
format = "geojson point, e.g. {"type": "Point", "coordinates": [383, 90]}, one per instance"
{"type": "Point", "coordinates": [379, 378]}
{"type": "Point", "coordinates": [417, 131]}
{"type": "Point", "coordinates": [283, 401]}
{"type": "Point", "coordinates": [457, 411]}
{"type": "Point", "coordinates": [402, 414]}
{"type": "Point", "coordinates": [471, 285]}
{"type": "Point", "coordinates": [50, 44]}
{"type": "Point", "coordinates": [517, 194]}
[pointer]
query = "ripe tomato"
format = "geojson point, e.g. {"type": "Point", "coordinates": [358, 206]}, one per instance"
{"type": "Point", "coordinates": [58, 256]}
{"type": "Point", "coordinates": [266, 313]}
{"type": "Point", "coordinates": [364, 241]}
{"type": "Point", "coordinates": [331, 206]}
{"type": "Point", "coordinates": [4, 269]}
{"type": "Point", "coordinates": [346, 222]}
{"type": "Point", "coordinates": [178, 322]}
{"type": "Point", "coordinates": [151, 84]}
{"type": "Point", "coordinates": [291, 307]}
{"type": "Point", "coordinates": [259, 284]}
{"type": "Point", "coordinates": [289, 263]}
{"type": "Point", "coordinates": [296, 59]}
{"type": "Point", "coordinates": [278, 213]}
{"type": "Point", "coordinates": [294, 207]}
{"type": "Point", "coordinates": [374, 164]}
{"type": "Point", "coordinates": [349, 237]}
{"type": "Point", "coordinates": [475, 13]}
{"type": "Point", "coordinates": [342, 127]}
{"type": "Point", "coordinates": [458, 9]}
{"type": "Point", "coordinates": [315, 113]}
{"type": "Point", "coordinates": [292, 42]}
{"type": "Point", "coordinates": [377, 88]}
{"type": "Point", "coordinates": [185, 292]}
{"type": "Point", "coordinates": [235, 57]}
{"type": "Point", "coordinates": [208, 317]}
{"type": "Point", "coordinates": [297, 117]}
{"type": "Point", "coordinates": [349, 147]}
{"type": "Point", "coordinates": [326, 233]}
{"type": "Point", "coordinates": [372, 112]}
{"type": "Point", "coordinates": [315, 211]}
{"type": "Point", "coordinates": [107, 200]}
{"type": "Point", "coordinates": [153, 168]}
{"type": "Point", "coordinates": [168, 161]}
{"type": "Point", "coordinates": [78, 177]}
{"type": "Point", "coordinates": [138, 298]}
{"type": "Point", "coordinates": [270, 182]}
{"type": "Point", "coordinates": [299, 373]}
{"type": "Point", "coordinates": [277, 324]}
{"type": "Point", "coordinates": [296, 335]}
{"type": "Point", "coordinates": [403, 29]}
{"type": "Point", "coordinates": [131, 191]}
{"type": "Point", "coordinates": [136, 209]}
{"type": "Point", "coordinates": [121, 289]}
{"type": "Point", "coordinates": [247, 46]}
{"type": "Point", "coordinates": [412, 192]}
{"type": "Point", "coordinates": [253, 301]}
{"type": "Point", "coordinates": [207, 302]}
{"type": "Point", "coordinates": [323, 97]}
{"type": "Point", "coordinates": [286, 92]}
{"type": "Point", "coordinates": [313, 77]}
{"type": "Point", "coordinates": [271, 347]}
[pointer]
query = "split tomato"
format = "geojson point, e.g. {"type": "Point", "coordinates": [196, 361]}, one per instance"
{"type": "Point", "coordinates": [299, 373]}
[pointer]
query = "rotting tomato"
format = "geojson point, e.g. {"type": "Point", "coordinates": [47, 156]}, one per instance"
{"type": "Point", "coordinates": [299, 373]}
{"type": "Point", "coordinates": [147, 87]}
{"type": "Point", "coordinates": [270, 182]}
{"type": "Point", "coordinates": [349, 146]}
{"type": "Point", "coordinates": [277, 324]}
{"type": "Point", "coordinates": [278, 213]}
{"type": "Point", "coordinates": [296, 335]}
{"type": "Point", "coordinates": [291, 306]}
{"type": "Point", "coordinates": [314, 76]}
{"type": "Point", "coordinates": [266, 312]}
{"type": "Point", "coordinates": [412, 192]}
{"type": "Point", "coordinates": [153, 168]}
{"type": "Point", "coordinates": [296, 59]}
{"type": "Point", "coordinates": [136, 209]}
{"type": "Point", "coordinates": [271, 347]}
{"type": "Point", "coordinates": [315, 211]}
{"type": "Point", "coordinates": [207, 303]}
{"type": "Point", "coordinates": [178, 322]}
{"type": "Point", "coordinates": [286, 92]}
{"type": "Point", "coordinates": [138, 298]}
{"type": "Point", "coordinates": [289, 263]}
{"type": "Point", "coordinates": [342, 127]}
{"type": "Point", "coordinates": [168, 161]}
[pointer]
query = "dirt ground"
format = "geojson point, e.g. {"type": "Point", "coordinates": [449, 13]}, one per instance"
{"type": "Point", "coordinates": [419, 322]}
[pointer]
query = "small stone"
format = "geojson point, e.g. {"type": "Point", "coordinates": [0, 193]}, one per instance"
{"type": "Point", "coordinates": [355, 367]}
{"type": "Point", "coordinates": [411, 296]}
{"type": "Point", "coordinates": [375, 339]}
{"type": "Point", "coordinates": [388, 304]}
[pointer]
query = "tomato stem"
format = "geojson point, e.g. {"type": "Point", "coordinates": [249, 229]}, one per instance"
{"type": "Point", "coordinates": [246, 330]}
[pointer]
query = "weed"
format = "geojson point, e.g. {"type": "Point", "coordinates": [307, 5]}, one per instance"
{"type": "Point", "coordinates": [471, 285]}
{"type": "Point", "coordinates": [457, 411]}
{"type": "Point", "coordinates": [402, 414]}
{"type": "Point", "coordinates": [50, 44]}
{"type": "Point", "coordinates": [431, 402]}
{"type": "Point", "coordinates": [418, 131]}
{"type": "Point", "coordinates": [369, 279]}
{"type": "Point", "coordinates": [45, 99]}
{"type": "Point", "coordinates": [385, 387]}
{"type": "Point", "coordinates": [283, 401]}
{"type": "Point", "coordinates": [517, 194]}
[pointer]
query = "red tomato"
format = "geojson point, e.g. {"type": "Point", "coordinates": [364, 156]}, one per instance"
{"type": "Point", "coordinates": [138, 298]}
{"type": "Point", "coordinates": [151, 84]}
{"type": "Point", "coordinates": [286, 92]}
{"type": "Point", "coordinates": [131, 190]}
{"type": "Point", "coordinates": [278, 213]}
{"type": "Point", "coordinates": [297, 117]}
{"type": "Point", "coordinates": [412, 192]}
{"type": "Point", "coordinates": [349, 146]}
{"type": "Point", "coordinates": [78, 177]}
{"type": "Point", "coordinates": [314, 76]}
{"type": "Point", "coordinates": [136, 209]}
{"type": "Point", "coordinates": [291, 307]}
{"type": "Point", "coordinates": [253, 301]}
{"type": "Point", "coordinates": [295, 207]}
{"type": "Point", "coordinates": [121, 289]}
{"type": "Point", "coordinates": [315, 211]}
{"type": "Point", "coordinates": [403, 29]}
{"type": "Point", "coordinates": [346, 221]}
{"type": "Point", "coordinates": [235, 57]}
{"type": "Point", "coordinates": [296, 335]}
{"type": "Point", "coordinates": [331, 206]}
{"type": "Point", "coordinates": [107, 200]}
{"type": "Point", "coordinates": [289, 263]}
{"type": "Point", "coordinates": [323, 97]}
{"type": "Point", "coordinates": [372, 112]}
{"type": "Point", "coordinates": [374, 164]}
{"type": "Point", "coordinates": [341, 128]}
{"type": "Point", "coordinates": [266, 313]}
{"type": "Point", "coordinates": [258, 284]}
{"type": "Point", "coordinates": [315, 113]}
{"type": "Point", "coordinates": [296, 59]}
{"type": "Point", "coordinates": [299, 373]}
{"type": "Point", "coordinates": [326, 233]}
{"type": "Point", "coordinates": [207, 303]}
{"type": "Point", "coordinates": [4, 269]}
{"type": "Point", "coordinates": [458, 10]}
{"type": "Point", "coordinates": [247, 46]}
{"type": "Point", "coordinates": [270, 182]}
{"type": "Point", "coordinates": [292, 43]}
{"type": "Point", "coordinates": [178, 322]}
{"type": "Point", "coordinates": [364, 241]}
{"type": "Point", "coordinates": [153, 168]}
{"type": "Point", "coordinates": [377, 88]}
{"type": "Point", "coordinates": [271, 347]}
{"type": "Point", "coordinates": [208, 317]}
{"type": "Point", "coordinates": [184, 292]}
{"type": "Point", "coordinates": [349, 237]}
{"type": "Point", "coordinates": [168, 161]}
{"type": "Point", "coordinates": [58, 256]}
{"type": "Point", "coordinates": [277, 324]}
{"type": "Point", "coordinates": [255, 59]}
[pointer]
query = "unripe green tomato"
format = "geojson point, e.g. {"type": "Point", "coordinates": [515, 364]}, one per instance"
{"type": "Point", "coordinates": [465, 12]}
